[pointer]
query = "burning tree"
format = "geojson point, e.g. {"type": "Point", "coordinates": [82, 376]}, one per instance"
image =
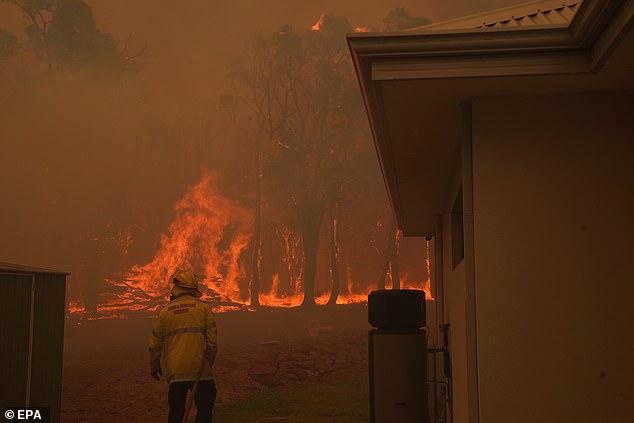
{"type": "Point", "coordinates": [254, 88]}
{"type": "Point", "coordinates": [303, 100]}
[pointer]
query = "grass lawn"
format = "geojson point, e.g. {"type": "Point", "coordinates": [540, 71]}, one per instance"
{"type": "Point", "coordinates": [344, 401]}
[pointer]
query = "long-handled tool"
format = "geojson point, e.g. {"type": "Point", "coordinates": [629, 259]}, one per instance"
{"type": "Point", "coordinates": [190, 400]}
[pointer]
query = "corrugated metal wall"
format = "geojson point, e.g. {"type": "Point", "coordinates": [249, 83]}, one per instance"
{"type": "Point", "coordinates": [48, 342]}
{"type": "Point", "coordinates": [44, 354]}
{"type": "Point", "coordinates": [15, 310]}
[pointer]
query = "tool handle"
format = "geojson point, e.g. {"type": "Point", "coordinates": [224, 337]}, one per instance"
{"type": "Point", "coordinates": [190, 400]}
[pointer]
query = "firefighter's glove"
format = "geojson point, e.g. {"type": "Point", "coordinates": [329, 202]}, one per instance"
{"type": "Point", "coordinates": [156, 373]}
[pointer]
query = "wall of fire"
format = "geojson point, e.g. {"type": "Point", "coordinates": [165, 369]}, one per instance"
{"type": "Point", "coordinates": [32, 305]}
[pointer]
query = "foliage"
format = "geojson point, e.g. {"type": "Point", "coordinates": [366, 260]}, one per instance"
{"type": "Point", "coordinates": [7, 46]}
{"type": "Point", "coordinates": [64, 35]}
{"type": "Point", "coordinates": [399, 19]}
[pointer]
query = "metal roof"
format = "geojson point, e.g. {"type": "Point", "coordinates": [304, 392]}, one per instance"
{"type": "Point", "coordinates": [18, 268]}
{"type": "Point", "coordinates": [531, 14]}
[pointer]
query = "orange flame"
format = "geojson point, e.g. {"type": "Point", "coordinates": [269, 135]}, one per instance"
{"type": "Point", "coordinates": [320, 22]}
{"type": "Point", "coordinates": [209, 234]}
{"type": "Point", "coordinates": [76, 307]}
{"type": "Point", "coordinates": [275, 297]}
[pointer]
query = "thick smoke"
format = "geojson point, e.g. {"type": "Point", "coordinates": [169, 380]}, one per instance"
{"type": "Point", "coordinates": [94, 160]}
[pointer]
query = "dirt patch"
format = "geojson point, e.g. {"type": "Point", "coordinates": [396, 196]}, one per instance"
{"type": "Point", "coordinates": [106, 365]}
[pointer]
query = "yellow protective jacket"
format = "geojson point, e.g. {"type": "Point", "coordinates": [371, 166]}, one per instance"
{"type": "Point", "coordinates": [186, 326]}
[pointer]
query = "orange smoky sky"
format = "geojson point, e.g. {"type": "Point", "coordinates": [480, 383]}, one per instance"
{"type": "Point", "coordinates": [180, 33]}
{"type": "Point", "coordinates": [191, 42]}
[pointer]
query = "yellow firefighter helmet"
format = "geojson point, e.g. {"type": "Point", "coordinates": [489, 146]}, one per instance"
{"type": "Point", "coordinates": [185, 279]}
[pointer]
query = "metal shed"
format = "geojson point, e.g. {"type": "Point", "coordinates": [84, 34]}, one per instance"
{"type": "Point", "coordinates": [32, 308]}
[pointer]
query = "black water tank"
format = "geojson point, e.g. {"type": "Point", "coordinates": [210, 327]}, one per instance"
{"type": "Point", "coordinates": [396, 309]}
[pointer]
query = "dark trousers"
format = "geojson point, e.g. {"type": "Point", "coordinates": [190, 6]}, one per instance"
{"type": "Point", "coordinates": [205, 398]}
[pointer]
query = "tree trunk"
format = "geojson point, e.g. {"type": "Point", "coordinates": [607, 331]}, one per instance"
{"type": "Point", "coordinates": [396, 280]}
{"type": "Point", "coordinates": [310, 240]}
{"type": "Point", "coordinates": [390, 247]}
{"type": "Point", "coordinates": [334, 261]}
{"type": "Point", "coordinates": [256, 262]}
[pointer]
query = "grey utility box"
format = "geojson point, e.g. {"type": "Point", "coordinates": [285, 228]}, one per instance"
{"type": "Point", "coordinates": [398, 357]}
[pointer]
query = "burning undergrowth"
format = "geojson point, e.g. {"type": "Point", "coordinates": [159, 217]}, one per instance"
{"type": "Point", "coordinates": [211, 234]}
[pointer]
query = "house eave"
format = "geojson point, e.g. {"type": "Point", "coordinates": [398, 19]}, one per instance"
{"type": "Point", "coordinates": [383, 59]}
{"type": "Point", "coordinates": [458, 42]}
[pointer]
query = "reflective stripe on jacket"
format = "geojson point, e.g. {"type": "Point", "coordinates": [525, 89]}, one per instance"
{"type": "Point", "coordinates": [184, 328]}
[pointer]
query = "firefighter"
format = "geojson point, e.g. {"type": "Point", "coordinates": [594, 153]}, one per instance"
{"type": "Point", "coordinates": [183, 336]}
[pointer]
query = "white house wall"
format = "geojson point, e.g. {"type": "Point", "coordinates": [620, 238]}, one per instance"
{"type": "Point", "coordinates": [553, 180]}
{"type": "Point", "coordinates": [455, 312]}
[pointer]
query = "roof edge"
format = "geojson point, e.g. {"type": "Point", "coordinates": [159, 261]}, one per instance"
{"type": "Point", "coordinates": [586, 27]}
{"type": "Point", "coordinates": [507, 13]}
{"type": "Point", "coordinates": [18, 268]}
